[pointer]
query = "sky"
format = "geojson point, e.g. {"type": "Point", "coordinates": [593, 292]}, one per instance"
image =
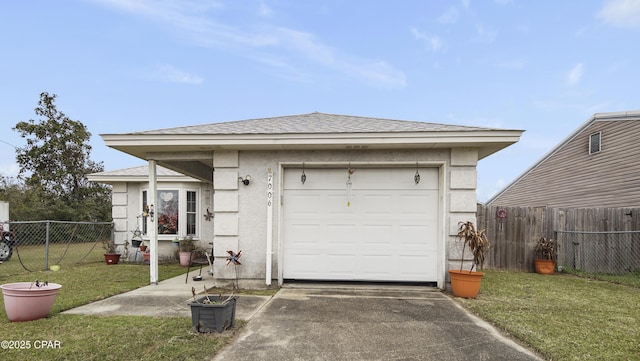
{"type": "Point", "coordinates": [120, 66]}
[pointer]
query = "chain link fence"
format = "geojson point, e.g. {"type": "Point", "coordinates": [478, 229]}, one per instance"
{"type": "Point", "coordinates": [599, 252]}
{"type": "Point", "coordinates": [38, 245]}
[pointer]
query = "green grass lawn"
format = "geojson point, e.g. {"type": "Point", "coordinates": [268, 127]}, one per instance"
{"type": "Point", "coordinates": [106, 337]}
{"type": "Point", "coordinates": [28, 258]}
{"type": "Point", "coordinates": [563, 316]}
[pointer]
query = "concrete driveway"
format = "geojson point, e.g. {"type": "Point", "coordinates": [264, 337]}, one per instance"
{"type": "Point", "coordinates": [351, 323]}
{"type": "Point", "coordinates": [333, 322]}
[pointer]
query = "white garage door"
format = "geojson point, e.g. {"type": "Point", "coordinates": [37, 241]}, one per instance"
{"type": "Point", "coordinates": [383, 229]}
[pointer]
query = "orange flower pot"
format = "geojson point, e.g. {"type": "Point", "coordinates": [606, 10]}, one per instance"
{"type": "Point", "coordinates": [545, 266]}
{"type": "Point", "coordinates": [465, 284]}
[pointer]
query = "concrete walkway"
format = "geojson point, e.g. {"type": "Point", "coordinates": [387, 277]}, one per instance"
{"type": "Point", "coordinates": [168, 298]}
{"type": "Point", "coordinates": [330, 322]}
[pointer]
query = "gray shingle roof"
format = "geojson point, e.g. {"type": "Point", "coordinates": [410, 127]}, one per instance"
{"type": "Point", "coordinates": [312, 123]}
{"type": "Point", "coordinates": [141, 171]}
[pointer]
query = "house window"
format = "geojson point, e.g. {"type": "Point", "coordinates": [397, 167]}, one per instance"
{"type": "Point", "coordinates": [173, 217]}
{"type": "Point", "coordinates": [142, 211]}
{"type": "Point", "coordinates": [168, 211]}
{"type": "Point", "coordinates": [594, 142]}
{"type": "Point", "coordinates": [191, 213]}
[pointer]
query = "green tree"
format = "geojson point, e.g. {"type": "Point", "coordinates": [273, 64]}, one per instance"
{"type": "Point", "coordinates": [54, 164]}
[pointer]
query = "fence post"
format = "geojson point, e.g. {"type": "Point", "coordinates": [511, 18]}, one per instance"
{"type": "Point", "coordinates": [46, 247]}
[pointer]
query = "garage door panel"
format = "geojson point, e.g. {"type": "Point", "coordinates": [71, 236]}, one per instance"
{"type": "Point", "coordinates": [372, 203]}
{"type": "Point", "coordinates": [339, 265]}
{"type": "Point", "coordinates": [304, 263]}
{"type": "Point", "coordinates": [342, 235]}
{"type": "Point", "coordinates": [413, 262]}
{"type": "Point", "coordinates": [389, 233]}
{"type": "Point", "coordinates": [305, 203]}
{"type": "Point", "coordinates": [376, 234]}
{"type": "Point", "coordinates": [413, 234]}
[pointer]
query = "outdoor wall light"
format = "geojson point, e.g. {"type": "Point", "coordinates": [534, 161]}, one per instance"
{"type": "Point", "coordinates": [303, 177]}
{"type": "Point", "coordinates": [416, 178]}
{"type": "Point", "coordinates": [151, 213]}
{"type": "Point", "coordinates": [245, 180]}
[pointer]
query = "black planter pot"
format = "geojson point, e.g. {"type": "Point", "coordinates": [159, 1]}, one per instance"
{"type": "Point", "coordinates": [207, 318]}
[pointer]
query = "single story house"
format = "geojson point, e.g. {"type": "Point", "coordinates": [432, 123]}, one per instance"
{"type": "Point", "coordinates": [311, 197]}
{"type": "Point", "coordinates": [595, 166]}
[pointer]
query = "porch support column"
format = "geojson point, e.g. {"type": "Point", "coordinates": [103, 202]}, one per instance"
{"type": "Point", "coordinates": [269, 227]}
{"type": "Point", "coordinates": [152, 228]}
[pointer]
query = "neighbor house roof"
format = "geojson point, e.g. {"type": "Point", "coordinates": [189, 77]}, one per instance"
{"type": "Point", "coordinates": [138, 174]}
{"type": "Point", "coordinates": [312, 131]}
{"type": "Point", "coordinates": [604, 117]}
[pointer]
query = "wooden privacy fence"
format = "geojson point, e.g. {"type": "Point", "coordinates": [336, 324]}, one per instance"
{"type": "Point", "coordinates": [514, 231]}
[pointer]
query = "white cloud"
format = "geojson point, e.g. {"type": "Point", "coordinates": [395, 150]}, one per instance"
{"type": "Point", "coordinates": [433, 42]}
{"type": "Point", "coordinates": [305, 44]}
{"type": "Point", "coordinates": [575, 74]}
{"type": "Point", "coordinates": [621, 13]}
{"type": "Point", "coordinates": [264, 9]}
{"type": "Point", "coordinates": [485, 35]}
{"type": "Point", "coordinates": [449, 17]}
{"type": "Point", "coordinates": [281, 45]}
{"type": "Point", "coordinates": [465, 3]}
{"type": "Point", "coordinates": [169, 73]}
{"type": "Point", "coordinates": [378, 74]}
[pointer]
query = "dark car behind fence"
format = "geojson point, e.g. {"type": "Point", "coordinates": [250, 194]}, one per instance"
{"type": "Point", "coordinates": [38, 245]}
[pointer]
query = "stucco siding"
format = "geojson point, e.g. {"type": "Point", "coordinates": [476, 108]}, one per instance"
{"type": "Point", "coordinates": [574, 178]}
{"type": "Point", "coordinates": [458, 200]}
{"type": "Point", "coordinates": [240, 211]}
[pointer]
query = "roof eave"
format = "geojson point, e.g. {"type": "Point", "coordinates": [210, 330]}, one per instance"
{"type": "Point", "coordinates": [114, 178]}
{"type": "Point", "coordinates": [138, 145]}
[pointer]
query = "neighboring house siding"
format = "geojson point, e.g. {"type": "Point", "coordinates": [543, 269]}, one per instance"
{"type": "Point", "coordinates": [571, 177]}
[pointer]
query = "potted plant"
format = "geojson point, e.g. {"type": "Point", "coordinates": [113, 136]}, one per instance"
{"type": "Point", "coordinates": [211, 313]}
{"type": "Point", "coordinates": [545, 256]}
{"type": "Point", "coordinates": [186, 246]}
{"type": "Point", "coordinates": [467, 283]}
{"type": "Point", "coordinates": [27, 301]}
{"type": "Point", "coordinates": [111, 255]}
{"type": "Point", "coordinates": [136, 243]}
{"type": "Point", "coordinates": [136, 239]}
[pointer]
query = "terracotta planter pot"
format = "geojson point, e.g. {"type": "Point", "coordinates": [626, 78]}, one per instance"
{"type": "Point", "coordinates": [143, 248]}
{"type": "Point", "coordinates": [111, 258]}
{"type": "Point", "coordinates": [26, 302]}
{"type": "Point", "coordinates": [465, 284]}
{"type": "Point", "coordinates": [146, 258]}
{"type": "Point", "coordinates": [185, 258]}
{"type": "Point", "coordinates": [545, 266]}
